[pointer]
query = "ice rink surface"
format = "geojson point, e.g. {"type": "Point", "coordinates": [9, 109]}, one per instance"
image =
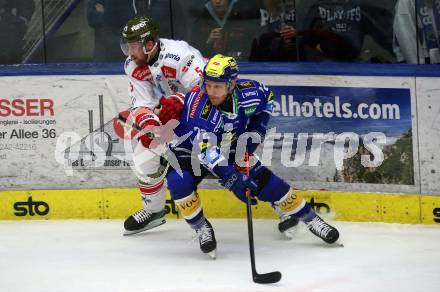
{"type": "Point", "coordinates": [84, 256]}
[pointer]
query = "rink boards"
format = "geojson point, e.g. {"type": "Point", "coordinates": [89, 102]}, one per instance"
{"type": "Point", "coordinates": [119, 203]}
{"type": "Point", "coordinates": [58, 131]}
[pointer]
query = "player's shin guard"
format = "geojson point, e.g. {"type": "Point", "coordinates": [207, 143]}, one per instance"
{"type": "Point", "coordinates": [293, 205]}
{"type": "Point", "coordinates": [151, 171]}
{"type": "Point", "coordinates": [274, 189]}
{"type": "Point", "coordinates": [191, 209]}
{"type": "Point", "coordinates": [153, 213]}
{"type": "Point", "coordinates": [153, 195]}
{"type": "Point", "coordinates": [288, 223]}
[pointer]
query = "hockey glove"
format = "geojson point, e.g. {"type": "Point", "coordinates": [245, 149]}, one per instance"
{"type": "Point", "coordinates": [145, 121]}
{"type": "Point", "coordinates": [238, 183]}
{"type": "Point", "coordinates": [170, 108]}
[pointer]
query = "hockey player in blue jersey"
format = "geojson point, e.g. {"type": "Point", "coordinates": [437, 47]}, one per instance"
{"type": "Point", "coordinates": [223, 119]}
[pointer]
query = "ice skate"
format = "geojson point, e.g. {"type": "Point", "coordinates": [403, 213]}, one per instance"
{"type": "Point", "coordinates": [324, 231]}
{"type": "Point", "coordinates": [288, 226]}
{"type": "Point", "coordinates": [143, 220]}
{"type": "Point", "coordinates": [207, 241]}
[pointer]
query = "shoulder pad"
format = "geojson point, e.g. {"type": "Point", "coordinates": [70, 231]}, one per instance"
{"type": "Point", "coordinates": [176, 55]}
{"type": "Point", "coordinates": [171, 57]}
{"type": "Point", "coordinates": [172, 52]}
{"type": "Point", "coordinates": [247, 89]}
{"type": "Point", "coordinates": [244, 84]}
{"type": "Point", "coordinates": [201, 113]}
{"type": "Point", "coordinates": [250, 98]}
{"type": "Point", "coordinates": [169, 72]}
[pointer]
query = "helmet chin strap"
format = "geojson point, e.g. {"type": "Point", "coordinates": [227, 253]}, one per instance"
{"type": "Point", "coordinates": [149, 52]}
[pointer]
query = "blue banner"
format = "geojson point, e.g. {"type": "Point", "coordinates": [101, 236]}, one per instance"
{"type": "Point", "coordinates": [307, 109]}
{"type": "Point", "coordinates": [316, 122]}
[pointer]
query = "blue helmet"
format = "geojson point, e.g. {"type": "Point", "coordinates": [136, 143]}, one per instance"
{"type": "Point", "coordinates": [221, 69]}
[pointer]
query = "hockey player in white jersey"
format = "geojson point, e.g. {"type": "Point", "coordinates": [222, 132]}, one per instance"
{"type": "Point", "coordinates": [160, 72]}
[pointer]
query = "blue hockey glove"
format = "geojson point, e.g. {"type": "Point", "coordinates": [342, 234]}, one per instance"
{"type": "Point", "coordinates": [238, 183]}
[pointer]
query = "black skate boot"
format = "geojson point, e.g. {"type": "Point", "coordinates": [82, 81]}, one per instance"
{"type": "Point", "coordinates": [323, 230]}
{"type": "Point", "coordinates": [207, 241]}
{"type": "Point", "coordinates": [288, 226]}
{"type": "Point", "coordinates": [143, 220]}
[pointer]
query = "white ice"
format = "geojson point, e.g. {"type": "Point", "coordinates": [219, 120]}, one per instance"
{"type": "Point", "coordinates": [94, 256]}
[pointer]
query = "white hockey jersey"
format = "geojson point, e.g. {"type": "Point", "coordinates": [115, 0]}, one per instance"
{"type": "Point", "coordinates": [178, 68]}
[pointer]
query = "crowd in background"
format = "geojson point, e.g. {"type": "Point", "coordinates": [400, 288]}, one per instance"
{"type": "Point", "coordinates": [14, 21]}
{"type": "Point", "coordinates": [374, 31]}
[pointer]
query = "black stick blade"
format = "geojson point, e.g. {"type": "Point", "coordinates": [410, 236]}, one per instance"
{"type": "Point", "coordinates": [268, 278]}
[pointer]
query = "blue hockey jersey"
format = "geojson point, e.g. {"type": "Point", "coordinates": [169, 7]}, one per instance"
{"type": "Point", "coordinates": [212, 134]}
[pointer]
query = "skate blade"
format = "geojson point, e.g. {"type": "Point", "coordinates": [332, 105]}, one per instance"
{"type": "Point", "coordinates": [213, 254]}
{"type": "Point", "coordinates": [337, 243]}
{"type": "Point", "coordinates": [153, 224]}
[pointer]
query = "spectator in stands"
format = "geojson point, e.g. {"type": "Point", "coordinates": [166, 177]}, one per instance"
{"type": "Point", "coordinates": [224, 26]}
{"type": "Point", "coordinates": [407, 42]}
{"type": "Point", "coordinates": [107, 17]}
{"type": "Point", "coordinates": [278, 43]}
{"type": "Point", "coordinates": [14, 21]}
{"type": "Point", "coordinates": [159, 10]}
{"type": "Point", "coordinates": [335, 30]}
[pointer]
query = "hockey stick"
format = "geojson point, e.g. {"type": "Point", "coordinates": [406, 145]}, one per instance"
{"type": "Point", "coordinates": [266, 278]}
